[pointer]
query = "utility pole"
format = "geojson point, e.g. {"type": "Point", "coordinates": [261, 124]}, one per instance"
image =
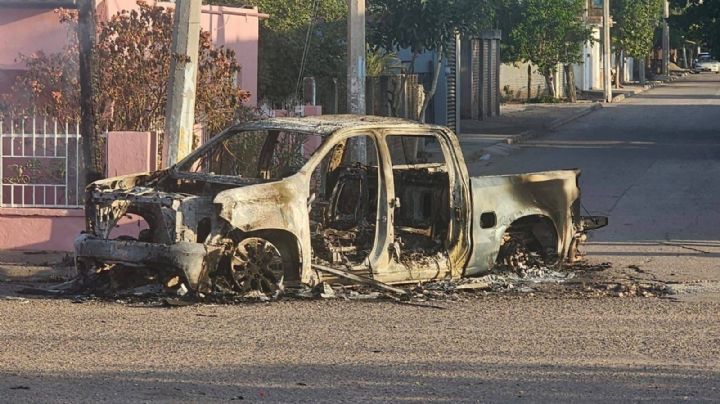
{"type": "Point", "coordinates": [180, 109]}
{"type": "Point", "coordinates": [607, 82]}
{"type": "Point", "coordinates": [666, 40]}
{"type": "Point", "coordinates": [88, 76]}
{"type": "Point", "coordinates": [356, 70]}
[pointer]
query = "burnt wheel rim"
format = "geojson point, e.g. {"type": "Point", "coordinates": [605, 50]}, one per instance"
{"type": "Point", "coordinates": [514, 253]}
{"type": "Point", "coordinates": [256, 266]}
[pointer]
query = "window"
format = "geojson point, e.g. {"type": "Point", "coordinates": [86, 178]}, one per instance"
{"type": "Point", "coordinates": [266, 155]}
{"type": "Point", "coordinates": [414, 150]}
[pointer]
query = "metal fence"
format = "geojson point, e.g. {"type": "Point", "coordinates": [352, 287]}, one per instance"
{"type": "Point", "coordinates": [40, 164]}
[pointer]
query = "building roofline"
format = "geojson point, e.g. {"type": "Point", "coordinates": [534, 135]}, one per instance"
{"type": "Point", "coordinates": [39, 3]}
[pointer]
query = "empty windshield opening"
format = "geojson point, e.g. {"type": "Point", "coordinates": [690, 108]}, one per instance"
{"type": "Point", "coordinates": [264, 155]}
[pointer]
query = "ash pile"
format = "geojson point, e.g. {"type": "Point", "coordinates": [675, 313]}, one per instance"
{"type": "Point", "coordinates": [521, 275]}
{"type": "Point", "coordinates": [135, 284]}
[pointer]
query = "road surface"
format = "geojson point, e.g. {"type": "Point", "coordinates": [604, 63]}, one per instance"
{"type": "Point", "coordinates": [652, 164]}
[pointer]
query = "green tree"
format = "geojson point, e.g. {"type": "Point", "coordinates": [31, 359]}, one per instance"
{"type": "Point", "coordinates": [548, 33]}
{"type": "Point", "coordinates": [634, 28]}
{"type": "Point", "coordinates": [294, 25]}
{"type": "Point", "coordinates": [698, 21]}
{"type": "Point", "coordinates": [507, 15]}
{"type": "Point", "coordinates": [425, 25]}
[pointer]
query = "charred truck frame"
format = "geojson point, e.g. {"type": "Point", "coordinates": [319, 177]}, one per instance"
{"type": "Point", "coordinates": [288, 201]}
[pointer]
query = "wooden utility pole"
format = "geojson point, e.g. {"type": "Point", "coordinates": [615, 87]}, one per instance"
{"type": "Point", "coordinates": [356, 70]}
{"type": "Point", "coordinates": [180, 109]}
{"type": "Point", "coordinates": [92, 161]}
{"type": "Point", "coordinates": [607, 80]}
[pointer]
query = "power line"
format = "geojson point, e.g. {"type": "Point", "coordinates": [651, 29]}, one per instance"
{"type": "Point", "coordinates": [306, 49]}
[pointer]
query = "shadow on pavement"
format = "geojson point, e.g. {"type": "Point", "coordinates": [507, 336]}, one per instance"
{"type": "Point", "coordinates": [469, 381]}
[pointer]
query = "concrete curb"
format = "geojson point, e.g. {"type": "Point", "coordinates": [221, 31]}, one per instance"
{"type": "Point", "coordinates": [23, 273]}
{"type": "Point", "coordinates": [622, 97]}
{"type": "Point", "coordinates": [553, 125]}
{"type": "Point", "coordinates": [564, 121]}
{"type": "Point", "coordinates": [36, 266]}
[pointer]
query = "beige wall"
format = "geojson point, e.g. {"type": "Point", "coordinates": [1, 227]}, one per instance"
{"type": "Point", "coordinates": [513, 81]}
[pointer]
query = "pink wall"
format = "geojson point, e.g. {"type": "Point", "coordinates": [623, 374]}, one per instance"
{"type": "Point", "coordinates": [40, 229]}
{"type": "Point", "coordinates": [34, 229]}
{"type": "Point", "coordinates": [234, 28]}
{"type": "Point", "coordinates": [239, 32]}
{"type": "Point", "coordinates": [29, 30]}
{"type": "Point", "coordinates": [131, 152]}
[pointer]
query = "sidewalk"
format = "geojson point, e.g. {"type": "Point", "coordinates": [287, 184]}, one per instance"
{"type": "Point", "coordinates": [620, 94]}
{"type": "Point", "coordinates": [480, 140]}
{"type": "Point", "coordinates": [35, 266]}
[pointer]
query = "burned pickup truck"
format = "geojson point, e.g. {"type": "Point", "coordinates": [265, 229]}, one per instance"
{"type": "Point", "coordinates": [294, 201]}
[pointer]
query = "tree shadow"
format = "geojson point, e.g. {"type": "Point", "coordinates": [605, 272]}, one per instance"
{"type": "Point", "coordinates": [347, 381]}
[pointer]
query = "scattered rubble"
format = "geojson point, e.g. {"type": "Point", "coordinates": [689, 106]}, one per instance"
{"type": "Point", "coordinates": [583, 280]}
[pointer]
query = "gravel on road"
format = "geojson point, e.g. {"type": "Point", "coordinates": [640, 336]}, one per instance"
{"type": "Point", "coordinates": [491, 348]}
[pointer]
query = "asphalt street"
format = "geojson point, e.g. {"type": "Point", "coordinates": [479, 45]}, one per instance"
{"type": "Point", "coordinates": [651, 163]}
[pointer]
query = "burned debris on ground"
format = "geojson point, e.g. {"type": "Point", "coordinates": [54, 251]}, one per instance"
{"type": "Point", "coordinates": [582, 280]}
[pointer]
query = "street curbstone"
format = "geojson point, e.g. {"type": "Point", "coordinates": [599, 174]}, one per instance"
{"type": "Point", "coordinates": [564, 121]}
{"type": "Point", "coordinates": [519, 138]}
{"type": "Point", "coordinates": [31, 273]}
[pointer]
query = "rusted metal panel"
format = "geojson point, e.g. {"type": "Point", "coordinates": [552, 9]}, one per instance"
{"type": "Point", "coordinates": [548, 194]}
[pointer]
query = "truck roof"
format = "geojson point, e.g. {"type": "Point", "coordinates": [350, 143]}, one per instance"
{"type": "Point", "coordinates": [327, 124]}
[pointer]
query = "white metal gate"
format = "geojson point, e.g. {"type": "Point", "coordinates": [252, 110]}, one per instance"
{"type": "Point", "coordinates": [40, 164]}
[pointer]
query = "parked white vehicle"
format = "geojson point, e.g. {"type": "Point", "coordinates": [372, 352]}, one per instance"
{"type": "Point", "coordinates": [707, 64]}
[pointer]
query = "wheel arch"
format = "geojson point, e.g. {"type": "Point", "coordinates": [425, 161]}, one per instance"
{"type": "Point", "coordinates": [540, 226]}
{"type": "Point", "coordinates": [286, 242]}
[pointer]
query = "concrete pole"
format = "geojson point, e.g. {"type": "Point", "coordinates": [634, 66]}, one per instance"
{"type": "Point", "coordinates": [180, 109]}
{"type": "Point", "coordinates": [607, 79]}
{"type": "Point", "coordinates": [356, 70]}
{"type": "Point", "coordinates": [666, 40]}
{"type": "Point", "coordinates": [458, 87]}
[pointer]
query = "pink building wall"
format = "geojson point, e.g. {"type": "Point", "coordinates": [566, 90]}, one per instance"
{"type": "Point", "coordinates": [48, 229]}
{"type": "Point", "coordinates": [28, 30]}
{"type": "Point", "coordinates": [234, 28]}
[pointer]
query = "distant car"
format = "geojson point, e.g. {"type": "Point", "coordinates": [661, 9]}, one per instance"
{"type": "Point", "coordinates": [707, 64]}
